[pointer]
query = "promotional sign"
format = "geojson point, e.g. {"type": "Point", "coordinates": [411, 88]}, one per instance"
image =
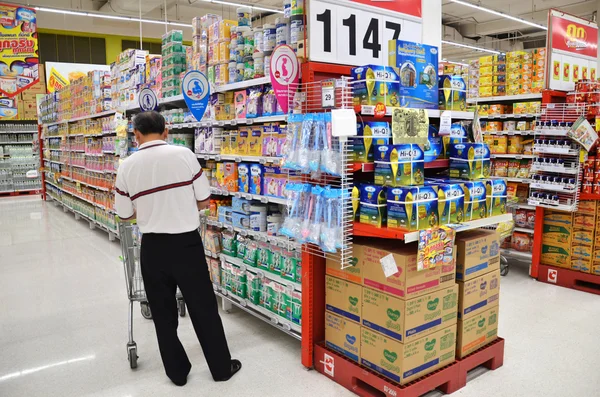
{"type": "Point", "coordinates": [147, 100]}
{"type": "Point", "coordinates": [357, 32]}
{"type": "Point", "coordinates": [436, 247]}
{"type": "Point", "coordinates": [572, 47]}
{"type": "Point", "coordinates": [195, 89]}
{"type": "Point", "coordinates": [285, 73]}
{"type": "Point", "coordinates": [60, 74]}
{"type": "Point", "coordinates": [18, 49]}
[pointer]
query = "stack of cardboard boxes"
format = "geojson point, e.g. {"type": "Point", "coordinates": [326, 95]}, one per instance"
{"type": "Point", "coordinates": [405, 326]}
{"type": "Point", "coordinates": [478, 279]}
{"type": "Point", "coordinates": [23, 106]}
{"type": "Point", "coordinates": [570, 241]}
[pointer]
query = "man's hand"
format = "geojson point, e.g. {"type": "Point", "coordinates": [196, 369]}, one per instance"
{"type": "Point", "coordinates": [204, 204]}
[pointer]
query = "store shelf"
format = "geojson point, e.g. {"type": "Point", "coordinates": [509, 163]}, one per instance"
{"type": "Point", "coordinates": [524, 230]}
{"type": "Point", "coordinates": [19, 132]}
{"type": "Point", "coordinates": [552, 187]}
{"type": "Point", "coordinates": [104, 189]}
{"type": "Point", "coordinates": [278, 322]}
{"type": "Point", "coordinates": [113, 233]}
{"type": "Point", "coordinates": [516, 254]}
{"type": "Point", "coordinates": [589, 196]}
{"type": "Point", "coordinates": [511, 156]}
{"type": "Point", "coordinates": [91, 116]}
{"type": "Point", "coordinates": [271, 276]}
{"type": "Point", "coordinates": [370, 167]}
{"type": "Point", "coordinates": [525, 206]}
{"type": "Point", "coordinates": [519, 180]}
{"type": "Point", "coordinates": [222, 123]}
{"type": "Point", "coordinates": [280, 241]}
{"type": "Point", "coordinates": [557, 207]}
{"type": "Point", "coordinates": [16, 143]}
{"type": "Point", "coordinates": [54, 161]}
{"type": "Point", "coordinates": [52, 184]}
{"type": "Point", "coordinates": [248, 196]}
{"type": "Point", "coordinates": [510, 116]}
{"type": "Point", "coordinates": [239, 158]}
{"type": "Point", "coordinates": [241, 85]}
{"type": "Point", "coordinates": [515, 132]}
{"type": "Point", "coordinates": [361, 229]}
{"type": "Point", "coordinates": [505, 98]}
{"type": "Point", "coordinates": [552, 132]}
{"type": "Point", "coordinates": [569, 278]}
{"type": "Point", "coordinates": [558, 151]}
{"type": "Point", "coordinates": [83, 198]}
{"type": "Point", "coordinates": [369, 110]}
{"type": "Point", "coordinates": [558, 170]}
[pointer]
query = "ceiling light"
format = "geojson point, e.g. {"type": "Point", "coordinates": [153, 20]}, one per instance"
{"type": "Point", "coordinates": [501, 14]}
{"type": "Point", "coordinates": [457, 63]}
{"type": "Point", "coordinates": [107, 16]}
{"type": "Point", "coordinates": [471, 47]}
{"type": "Point", "coordinates": [228, 3]}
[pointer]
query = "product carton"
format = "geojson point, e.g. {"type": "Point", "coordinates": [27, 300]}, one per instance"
{"type": "Point", "coordinates": [478, 294]}
{"type": "Point", "coordinates": [583, 237]}
{"type": "Point", "coordinates": [373, 207]}
{"type": "Point", "coordinates": [404, 362]}
{"type": "Point", "coordinates": [581, 264]}
{"type": "Point", "coordinates": [407, 320]}
{"type": "Point", "coordinates": [375, 84]}
{"type": "Point", "coordinates": [555, 255]}
{"type": "Point", "coordinates": [496, 195]}
{"type": "Point", "coordinates": [453, 93]}
{"type": "Point", "coordinates": [476, 331]}
{"type": "Point", "coordinates": [582, 251]}
{"type": "Point", "coordinates": [417, 65]}
{"type": "Point", "coordinates": [399, 165]}
{"type": "Point", "coordinates": [470, 161]}
{"type": "Point", "coordinates": [408, 282]}
{"type": "Point", "coordinates": [451, 201]}
{"type": "Point", "coordinates": [342, 336]}
{"type": "Point", "coordinates": [595, 269]}
{"type": "Point", "coordinates": [368, 135]}
{"type": "Point", "coordinates": [584, 221]}
{"type": "Point", "coordinates": [587, 207]}
{"type": "Point", "coordinates": [475, 200]}
{"type": "Point", "coordinates": [560, 236]}
{"type": "Point", "coordinates": [343, 298]}
{"type": "Point", "coordinates": [478, 253]}
{"type": "Point", "coordinates": [353, 271]}
{"type": "Point", "coordinates": [412, 207]}
{"type": "Point", "coordinates": [558, 218]}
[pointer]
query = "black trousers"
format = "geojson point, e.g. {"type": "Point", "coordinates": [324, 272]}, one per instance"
{"type": "Point", "coordinates": [168, 261]}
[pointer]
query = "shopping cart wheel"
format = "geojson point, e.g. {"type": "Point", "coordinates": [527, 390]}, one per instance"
{"type": "Point", "coordinates": [146, 312]}
{"type": "Point", "coordinates": [181, 307]}
{"type": "Point", "coordinates": [132, 355]}
{"type": "Point", "coordinates": [503, 266]}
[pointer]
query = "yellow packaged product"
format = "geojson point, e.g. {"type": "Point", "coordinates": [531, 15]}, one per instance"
{"type": "Point", "coordinates": [499, 90]}
{"type": "Point", "coordinates": [524, 169]}
{"type": "Point", "coordinates": [255, 141]}
{"type": "Point", "coordinates": [486, 61]}
{"type": "Point", "coordinates": [500, 167]}
{"type": "Point", "coordinates": [499, 144]}
{"type": "Point", "coordinates": [515, 144]}
{"type": "Point", "coordinates": [523, 125]}
{"type": "Point", "coordinates": [497, 109]}
{"type": "Point", "coordinates": [485, 91]}
{"type": "Point", "coordinates": [537, 86]}
{"type": "Point", "coordinates": [494, 126]}
{"type": "Point", "coordinates": [534, 107]}
{"type": "Point", "coordinates": [242, 142]}
{"type": "Point", "coordinates": [513, 168]}
{"type": "Point", "coordinates": [520, 107]}
{"type": "Point", "coordinates": [484, 110]}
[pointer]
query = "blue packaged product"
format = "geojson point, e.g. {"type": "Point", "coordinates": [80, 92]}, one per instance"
{"type": "Point", "coordinates": [369, 134]}
{"type": "Point", "coordinates": [433, 147]}
{"type": "Point", "coordinates": [447, 140]}
{"type": "Point", "coordinates": [224, 215]}
{"type": "Point", "coordinates": [243, 178]}
{"type": "Point", "coordinates": [453, 93]}
{"type": "Point", "coordinates": [451, 201]}
{"type": "Point", "coordinates": [241, 205]}
{"type": "Point", "coordinates": [469, 160]}
{"type": "Point", "coordinates": [240, 220]}
{"type": "Point", "coordinates": [417, 66]}
{"type": "Point", "coordinates": [458, 130]}
{"type": "Point", "coordinates": [372, 205]}
{"type": "Point", "coordinates": [399, 165]}
{"type": "Point", "coordinates": [412, 207]}
{"type": "Point", "coordinates": [374, 84]}
{"type": "Point", "coordinates": [496, 195]}
{"type": "Point", "coordinates": [256, 179]}
{"type": "Point", "coordinates": [475, 200]}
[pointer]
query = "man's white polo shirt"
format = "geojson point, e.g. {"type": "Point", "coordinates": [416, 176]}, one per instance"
{"type": "Point", "coordinates": [162, 183]}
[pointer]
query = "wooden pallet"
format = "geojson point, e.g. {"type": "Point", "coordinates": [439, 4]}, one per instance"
{"type": "Point", "coordinates": [569, 278]}
{"type": "Point", "coordinates": [367, 383]}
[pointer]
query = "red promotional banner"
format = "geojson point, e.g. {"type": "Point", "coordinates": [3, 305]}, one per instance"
{"type": "Point", "coordinates": [574, 37]}
{"type": "Point", "coordinates": [409, 7]}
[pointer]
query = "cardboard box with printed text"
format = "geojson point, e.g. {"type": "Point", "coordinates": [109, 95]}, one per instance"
{"type": "Point", "coordinates": [478, 253]}
{"type": "Point", "coordinates": [343, 298]}
{"type": "Point", "coordinates": [476, 331]}
{"type": "Point", "coordinates": [342, 336]}
{"type": "Point", "coordinates": [478, 294]}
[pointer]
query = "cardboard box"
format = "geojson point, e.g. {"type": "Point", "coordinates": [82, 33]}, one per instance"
{"type": "Point", "coordinates": [403, 202]}
{"type": "Point", "coordinates": [478, 294]}
{"type": "Point", "coordinates": [583, 237]}
{"type": "Point", "coordinates": [469, 161]}
{"type": "Point", "coordinates": [587, 207]}
{"type": "Point", "coordinates": [477, 331]}
{"type": "Point", "coordinates": [556, 255]}
{"type": "Point", "coordinates": [558, 218]}
{"type": "Point", "coordinates": [404, 362]}
{"type": "Point", "coordinates": [29, 96]}
{"type": "Point", "coordinates": [595, 269]}
{"type": "Point", "coordinates": [582, 251]}
{"type": "Point", "coordinates": [557, 235]}
{"type": "Point", "coordinates": [581, 264]}
{"type": "Point", "coordinates": [407, 320]}
{"type": "Point", "coordinates": [478, 253]}
{"type": "Point", "coordinates": [353, 273]}
{"type": "Point", "coordinates": [342, 336]}
{"type": "Point", "coordinates": [343, 298]}
{"type": "Point", "coordinates": [407, 283]}
{"type": "Point", "coordinates": [584, 221]}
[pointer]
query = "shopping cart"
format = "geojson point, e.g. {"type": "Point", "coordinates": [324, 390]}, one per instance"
{"type": "Point", "coordinates": [131, 239]}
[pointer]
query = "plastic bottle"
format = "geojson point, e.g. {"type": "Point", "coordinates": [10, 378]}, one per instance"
{"type": "Point", "coordinates": [287, 8]}
{"type": "Point", "coordinates": [282, 31]}
{"type": "Point", "coordinates": [259, 64]}
{"type": "Point", "coordinates": [269, 37]}
{"type": "Point", "coordinates": [267, 63]}
{"type": "Point", "coordinates": [248, 43]}
{"type": "Point", "coordinates": [258, 39]}
{"type": "Point", "coordinates": [244, 15]}
{"type": "Point", "coordinates": [296, 30]}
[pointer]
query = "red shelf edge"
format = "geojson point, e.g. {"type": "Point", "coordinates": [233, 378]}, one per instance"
{"type": "Point", "coordinates": [362, 229]}
{"type": "Point", "coordinates": [370, 167]}
{"type": "Point", "coordinates": [589, 196]}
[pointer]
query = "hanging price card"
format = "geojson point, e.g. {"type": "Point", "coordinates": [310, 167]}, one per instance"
{"type": "Point", "coordinates": [328, 93]}
{"type": "Point", "coordinates": [352, 33]}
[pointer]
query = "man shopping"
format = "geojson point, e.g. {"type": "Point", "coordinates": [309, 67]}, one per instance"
{"type": "Point", "coordinates": [163, 187]}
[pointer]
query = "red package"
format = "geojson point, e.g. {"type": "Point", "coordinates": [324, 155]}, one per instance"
{"type": "Point", "coordinates": [521, 218]}
{"type": "Point", "coordinates": [586, 188]}
{"type": "Point", "coordinates": [531, 219]}
{"type": "Point", "coordinates": [596, 189]}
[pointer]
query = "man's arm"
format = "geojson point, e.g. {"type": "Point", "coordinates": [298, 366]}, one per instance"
{"type": "Point", "coordinates": [200, 184]}
{"type": "Point", "coordinates": [123, 204]}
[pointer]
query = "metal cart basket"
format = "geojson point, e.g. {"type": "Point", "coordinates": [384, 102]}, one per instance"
{"type": "Point", "coordinates": [131, 239]}
{"type": "Point", "coordinates": [505, 231]}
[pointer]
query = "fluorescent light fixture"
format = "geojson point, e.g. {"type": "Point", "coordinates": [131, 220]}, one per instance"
{"type": "Point", "coordinates": [457, 63]}
{"type": "Point", "coordinates": [107, 16]}
{"type": "Point", "coordinates": [228, 3]}
{"type": "Point", "coordinates": [471, 47]}
{"type": "Point", "coordinates": [501, 14]}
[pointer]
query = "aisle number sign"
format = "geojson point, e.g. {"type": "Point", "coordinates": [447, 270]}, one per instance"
{"type": "Point", "coordinates": [354, 33]}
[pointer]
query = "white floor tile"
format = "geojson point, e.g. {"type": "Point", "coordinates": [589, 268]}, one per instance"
{"type": "Point", "coordinates": [63, 328]}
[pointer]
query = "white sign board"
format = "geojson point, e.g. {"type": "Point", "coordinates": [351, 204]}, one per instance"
{"type": "Point", "coordinates": [356, 34]}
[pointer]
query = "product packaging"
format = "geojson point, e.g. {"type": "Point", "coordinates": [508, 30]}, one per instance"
{"type": "Point", "coordinates": [373, 205]}
{"type": "Point", "coordinates": [469, 161]}
{"type": "Point", "coordinates": [375, 84]}
{"type": "Point", "coordinates": [399, 165]}
{"type": "Point", "coordinates": [412, 207]}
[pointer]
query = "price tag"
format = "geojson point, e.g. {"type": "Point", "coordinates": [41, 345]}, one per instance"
{"type": "Point", "coordinates": [388, 264]}
{"type": "Point", "coordinates": [328, 93]}
{"type": "Point", "coordinates": [446, 123]}
{"type": "Point", "coordinates": [350, 33]}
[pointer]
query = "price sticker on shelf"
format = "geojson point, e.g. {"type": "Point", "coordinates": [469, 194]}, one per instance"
{"type": "Point", "coordinates": [446, 123]}
{"type": "Point", "coordinates": [351, 33]}
{"type": "Point", "coordinates": [328, 93]}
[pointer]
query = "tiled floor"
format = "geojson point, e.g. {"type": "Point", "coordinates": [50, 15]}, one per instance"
{"type": "Point", "coordinates": [63, 328]}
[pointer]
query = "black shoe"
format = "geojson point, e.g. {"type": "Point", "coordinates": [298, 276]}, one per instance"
{"type": "Point", "coordinates": [180, 382]}
{"type": "Point", "coordinates": [236, 365]}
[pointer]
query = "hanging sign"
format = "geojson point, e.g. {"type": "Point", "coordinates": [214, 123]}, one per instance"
{"type": "Point", "coordinates": [195, 89]}
{"type": "Point", "coordinates": [285, 73]}
{"type": "Point", "coordinates": [357, 32]}
{"type": "Point", "coordinates": [18, 49]}
{"type": "Point", "coordinates": [148, 100]}
{"type": "Point", "coordinates": [436, 247]}
{"type": "Point", "coordinates": [572, 47]}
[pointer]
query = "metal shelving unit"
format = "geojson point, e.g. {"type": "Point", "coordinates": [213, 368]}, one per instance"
{"type": "Point", "coordinates": [19, 154]}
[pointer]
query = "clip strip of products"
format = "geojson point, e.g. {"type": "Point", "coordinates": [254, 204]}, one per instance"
{"type": "Point", "coordinates": [314, 215]}
{"type": "Point", "coordinates": [310, 147]}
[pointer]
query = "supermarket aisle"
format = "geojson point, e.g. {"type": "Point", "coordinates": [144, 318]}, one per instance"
{"type": "Point", "coordinates": [63, 328]}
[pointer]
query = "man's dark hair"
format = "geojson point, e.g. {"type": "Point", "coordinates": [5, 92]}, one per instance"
{"type": "Point", "coordinates": [149, 123]}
